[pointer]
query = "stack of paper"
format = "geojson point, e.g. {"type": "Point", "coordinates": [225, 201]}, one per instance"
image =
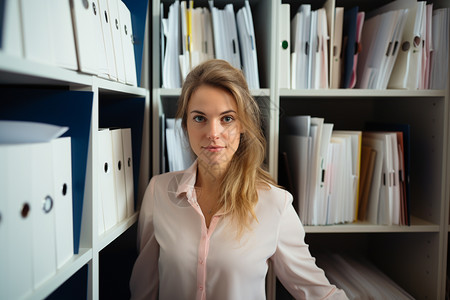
{"type": "Point", "coordinates": [325, 167]}
{"type": "Point", "coordinates": [309, 57]}
{"type": "Point", "coordinates": [179, 153]}
{"type": "Point", "coordinates": [380, 33]}
{"type": "Point", "coordinates": [247, 43]}
{"type": "Point", "coordinates": [171, 66]}
{"type": "Point", "coordinates": [226, 43]}
{"type": "Point", "coordinates": [359, 278]}
{"type": "Point", "coordinates": [441, 48]}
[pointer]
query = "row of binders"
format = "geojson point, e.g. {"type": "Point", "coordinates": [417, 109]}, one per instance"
{"type": "Point", "coordinates": [359, 278]}
{"type": "Point", "coordinates": [115, 177]}
{"type": "Point", "coordinates": [402, 45]}
{"type": "Point", "coordinates": [341, 176]}
{"type": "Point", "coordinates": [190, 36]}
{"type": "Point", "coordinates": [36, 229]}
{"type": "Point", "coordinates": [93, 37]}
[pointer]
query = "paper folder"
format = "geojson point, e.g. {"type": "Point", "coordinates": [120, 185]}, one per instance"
{"type": "Point", "coordinates": [36, 31]}
{"type": "Point", "coordinates": [119, 173]}
{"type": "Point", "coordinates": [106, 179]}
{"type": "Point", "coordinates": [11, 31]}
{"type": "Point", "coordinates": [128, 165]}
{"type": "Point", "coordinates": [16, 210]}
{"type": "Point", "coordinates": [62, 182]}
{"type": "Point", "coordinates": [107, 38]}
{"type": "Point", "coordinates": [115, 26]}
{"type": "Point", "coordinates": [62, 32]}
{"type": "Point", "coordinates": [284, 34]}
{"type": "Point", "coordinates": [85, 36]}
{"type": "Point", "coordinates": [42, 203]}
{"type": "Point", "coordinates": [127, 44]}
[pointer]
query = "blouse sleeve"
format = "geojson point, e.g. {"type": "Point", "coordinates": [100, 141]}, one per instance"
{"type": "Point", "coordinates": [293, 263]}
{"type": "Point", "coordinates": [144, 277]}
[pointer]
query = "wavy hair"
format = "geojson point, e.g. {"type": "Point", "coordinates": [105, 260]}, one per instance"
{"type": "Point", "coordinates": [245, 174]}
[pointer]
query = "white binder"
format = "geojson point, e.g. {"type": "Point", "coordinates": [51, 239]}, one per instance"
{"type": "Point", "coordinates": [128, 165]}
{"type": "Point", "coordinates": [115, 25]}
{"type": "Point", "coordinates": [62, 32]}
{"type": "Point", "coordinates": [36, 30]}
{"type": "Point", "coordinates": [85, 36]}
{"type": "Point", "coordinates": [43, 210]}
{"type": "Point", "coordinates": [103, 68]}
{"type": "Point", "coordinates": [11, 42]}
{"type": "Point", "coordinates": [106, 179]}
{"type": "Point", "coordinates": [119, 173]}
{"type": "Point", "coordinates": [107, 38]}
{"type": "Point", "coordinates": [16, 265]}
{"type": "Point", "coordinates": [127, 44]}
{"type": "Point", "coordinates": [284, 36]}
{"type": "Point", "coordinates": [62, 180]}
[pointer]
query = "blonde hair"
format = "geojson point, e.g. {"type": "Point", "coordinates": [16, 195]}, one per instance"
{"type": "Point", "coordinates": [245, 174]}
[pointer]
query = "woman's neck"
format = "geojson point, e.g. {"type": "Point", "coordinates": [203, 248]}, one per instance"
{"type": "Point", "coordinates": [209, 176]}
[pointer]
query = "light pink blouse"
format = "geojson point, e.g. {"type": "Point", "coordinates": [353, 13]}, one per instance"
{"type": "Point", "coordinates": [180, 258]}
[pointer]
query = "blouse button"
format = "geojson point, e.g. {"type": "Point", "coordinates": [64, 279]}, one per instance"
{"type": "Point", "coordinates": [200, 288]}
{"type": "Point", "coordinates": [200, 261]}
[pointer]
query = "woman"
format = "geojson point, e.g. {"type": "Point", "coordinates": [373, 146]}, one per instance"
{"type": "Point", "coordinates": [208, 232]}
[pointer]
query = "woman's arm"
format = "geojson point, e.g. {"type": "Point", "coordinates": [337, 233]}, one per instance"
{"type": "Point", "coordinates": [293, 263]}
{"type": "Point", "coordinates": [144, 278]}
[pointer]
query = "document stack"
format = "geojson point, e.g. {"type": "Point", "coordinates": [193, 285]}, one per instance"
{"type": "Point", "coordinates": [179, 153]}
{"type": "Point", "coordinates": [359, 278]}
{"type": "Point", "coordinates": [341, 176]}
{"type": "Point", "coordinates": [36, 227]}
{"type": "Point", "coordinates": [309, 58]}
{"type": "Point", "coordinates": [401, 45]}
{"type": "Point", "coordinates": [93, 37]}
{"type": "Point", "coordinates": [190, 36]}
{"type": "Point", "coordinates": [115, 176]}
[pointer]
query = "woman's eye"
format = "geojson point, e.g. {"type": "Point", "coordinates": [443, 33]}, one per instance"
{"type": "Point", "coordinates": [199, 119]}
{"type": "Point", "coordinates": [228, 119]}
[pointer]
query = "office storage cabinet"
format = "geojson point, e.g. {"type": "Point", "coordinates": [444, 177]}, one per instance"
{"type": "Point", "coordinates": [414, 256]}
{"type": "Point", "coordinates": [32, 91]}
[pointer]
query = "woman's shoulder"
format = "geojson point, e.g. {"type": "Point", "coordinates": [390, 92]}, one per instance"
{"type": "Point", "coordinates": [274, 195]}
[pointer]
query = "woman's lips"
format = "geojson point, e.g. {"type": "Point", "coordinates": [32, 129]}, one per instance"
{"type": "Point", "coordinates": [213, 148]}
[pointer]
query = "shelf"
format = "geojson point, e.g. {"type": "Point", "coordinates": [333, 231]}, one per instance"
{"type": "Point", "coordinates": [16, 70]}
{"type": "Point", "coordinates": [109, 236]}
{"type": "Point", "coordinates": [418, 225]}
{"type": "Point", "coordinates": [70, 268]}
{"type": "Point", "coordinates": [340, 93]}
{"type": "Point", "coordinates": [176, 92]}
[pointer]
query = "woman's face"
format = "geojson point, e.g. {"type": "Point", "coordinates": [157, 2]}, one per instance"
{"type": "Point", "coordinates": [213, 126]}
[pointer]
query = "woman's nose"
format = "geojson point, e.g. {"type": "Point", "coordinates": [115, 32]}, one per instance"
{"type": "Point", "coordinates": [214, 130]}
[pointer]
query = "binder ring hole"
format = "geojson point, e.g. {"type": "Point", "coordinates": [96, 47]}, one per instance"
{"type": "Point", "coordinates": [64, 189]}
{"type": "Point", "coordinates": [47, 204]}
{"type": "Point", "coordinates": [119, 165]}
{"type": "Point", "coordinates": [106, 16]}
{"type": "Point", "coordinates": [126, 30]}
{"type": "Point", "coordinates": [405, 46]}
{"type": "Point", "coordinates": [117, 24]}
{"type": "Point", "coordinates": [105, 167]}
{"type": "Point", "coordinates": [25, 210]}
{"type": "Point", "coordinates": [0, 218]}
{"type": "Point", "coordinates": [129, 161]}
{"type": "Point", "coordinates": [94, 8]}
{"type": "Point", "coordinates": [86, 4]}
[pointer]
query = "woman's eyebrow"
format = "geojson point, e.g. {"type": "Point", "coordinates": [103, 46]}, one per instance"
{"type": "Point", "coordinates": [222, 113]}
